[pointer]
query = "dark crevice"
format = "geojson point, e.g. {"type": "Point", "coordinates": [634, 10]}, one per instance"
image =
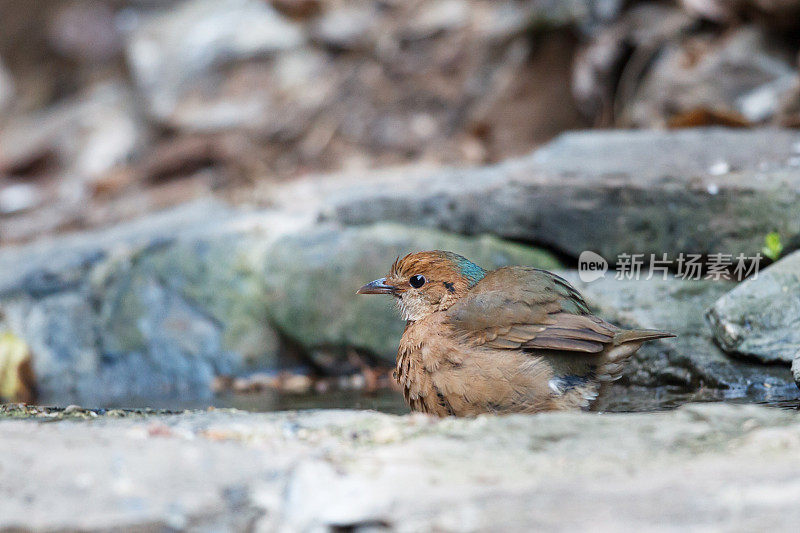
{"type": "Point", "coordinates": [755, 360]}
{"type": "Point", "coordinates": [568, 260]}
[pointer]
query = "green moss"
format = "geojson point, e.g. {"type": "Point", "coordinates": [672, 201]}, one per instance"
{"type": "Point", "coordinates": [55, 414]}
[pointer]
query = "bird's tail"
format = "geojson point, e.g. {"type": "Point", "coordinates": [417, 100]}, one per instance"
{"type": "Point", "coordinates": [624, 345]}
{"type": "Point", "coordinates": [640, 335]}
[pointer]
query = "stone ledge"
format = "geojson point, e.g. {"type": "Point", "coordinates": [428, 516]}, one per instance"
{"type": "Point", "coordinates": [701, 466]}
{"type": "Point", "coordinates": [704, 190]}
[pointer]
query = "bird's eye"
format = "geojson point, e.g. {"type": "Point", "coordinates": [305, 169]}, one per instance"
{"type": "Point", "coordinates": [417, 281]}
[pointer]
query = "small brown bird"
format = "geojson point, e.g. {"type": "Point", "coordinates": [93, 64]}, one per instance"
{"type": "Point", "coordinates": [513, 340]}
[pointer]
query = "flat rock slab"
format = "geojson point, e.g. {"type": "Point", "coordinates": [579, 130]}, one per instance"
{"type": "Point", "coordinates": [691, 191]}
{"type": "Point", "coordinates": [761, 316]}
{"type": "Point", "coordinates": [701, 467]}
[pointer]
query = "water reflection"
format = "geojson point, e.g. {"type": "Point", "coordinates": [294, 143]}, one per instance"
{"type": "Point", "coordinates": [386, 400]}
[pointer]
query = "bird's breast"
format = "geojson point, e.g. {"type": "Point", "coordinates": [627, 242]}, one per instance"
{"type": "Point", "coordinates": [426, 354]}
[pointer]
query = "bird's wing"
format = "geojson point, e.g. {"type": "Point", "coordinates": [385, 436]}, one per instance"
{"type": "Point", "coordinates": [523, 307]}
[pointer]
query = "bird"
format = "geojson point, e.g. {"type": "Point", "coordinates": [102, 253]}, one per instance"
{"type": "Point", "coordinates": [516, 339]}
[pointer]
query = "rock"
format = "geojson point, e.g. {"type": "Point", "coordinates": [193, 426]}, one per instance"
{"type": "Point", "coordinates": [509, 19]}
{"type": "Point", "coordinates": [690, 366]}
{"type": "Point", "coordinates": [177, 48]}
{"type": "Point", "coordinates": [767, 100]}
{"type": "Point", "coordinates": [147, 309]}
{"type": "Point", "coordinates": [19, 197]}
{"type": "Point", "coordinates": [613, 192]}
{"type": "Point", "coordinates": [761, 316]}
{"type": "Point", "coordinates": [738, 72]}
{"type": "Point", "coordinates": [448, 15]}
{"type": "Point", "coordinates": [311, 279]}
{"type": "Point", "coordinates": [88, 135]}
{"type": "Point", "coordinates": [365, 26]}
{"type": "Point", "coordinates": [778, 14]}
{"type": "Point", "coordinates": [57, 264]}
{"type": "Point", "coordinates": [686, 469]}
{"type": "Point", "coordinates": [347, 28]}
{"type": "Point", "coordinates": [60, 332]}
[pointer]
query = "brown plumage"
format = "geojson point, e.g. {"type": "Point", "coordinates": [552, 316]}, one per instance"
{"type": "Point", "coordinates": [516, 339]}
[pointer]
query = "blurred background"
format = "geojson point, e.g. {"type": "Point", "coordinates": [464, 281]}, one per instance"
{"type": "Point", "coordinates": [118, 111]}
{"type": "Point", "coordinates": [110, 109]}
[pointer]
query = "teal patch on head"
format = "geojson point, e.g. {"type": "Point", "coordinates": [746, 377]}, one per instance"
{"type": "Point", "coordinates": [472, 272]}
{"type": "Point", "coordinates": [467, 268]}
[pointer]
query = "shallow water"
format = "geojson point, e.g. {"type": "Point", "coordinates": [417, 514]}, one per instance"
{"type": "Point", "coordinates": [390, 401]}
{"type": "Point", "coordinates": [615, 400]}
{"type": "Point", "coordinates": [384, 400]}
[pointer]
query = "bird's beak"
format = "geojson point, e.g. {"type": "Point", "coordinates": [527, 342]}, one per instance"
{"type": "Point", "coordinates": [378, 286]}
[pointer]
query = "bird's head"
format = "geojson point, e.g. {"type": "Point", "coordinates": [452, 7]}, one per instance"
{"type": "Point", "coordinates": [426, 282]}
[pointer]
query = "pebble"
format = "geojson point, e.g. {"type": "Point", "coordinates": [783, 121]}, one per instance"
{"type": "Point", "coordinates": [719, 168]}
{"type": "Point", "coordinates": [18, 197]}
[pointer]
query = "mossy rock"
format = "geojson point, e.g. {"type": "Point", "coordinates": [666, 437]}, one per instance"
{"type": "Point", "coordinates": [312, 278]}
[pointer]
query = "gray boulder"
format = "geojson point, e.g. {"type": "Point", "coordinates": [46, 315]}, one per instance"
{"type": "Point", "coordinates": [691, 191]}
{"type": "Point", "coordinates": [761, 316]}
{"type": "Point", "coordinates": [146, 309]}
